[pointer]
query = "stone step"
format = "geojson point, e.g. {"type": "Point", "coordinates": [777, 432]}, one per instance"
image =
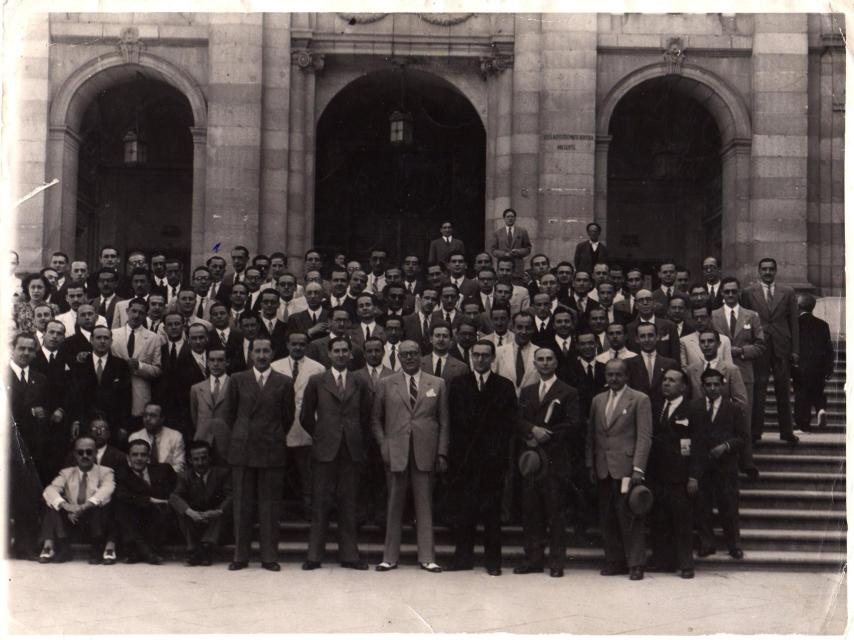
{"type": "Point", "coordinates": [800, 480]}
{"type": "Point", "coordinates": [788, 518]}
{"type": "Point", "coordinates": [811, 443]}
{"type": "Point", "coordinates": [794, 539]}
{"type": "Point", "coordinates": [799, 462]}
{"type": "Point", "coordinates": [794, 500]}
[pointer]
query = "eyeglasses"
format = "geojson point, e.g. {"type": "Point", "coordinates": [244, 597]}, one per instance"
{"type": "Point", "coordinates": [408, 354]}
{"type": "Point", "coordinates": [84, 452]}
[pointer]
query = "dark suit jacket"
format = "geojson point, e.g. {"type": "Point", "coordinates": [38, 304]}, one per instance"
{"type": "Point", "coordinates": [816, 356]}
{"type": "Point", "coordinates": [499, 248]}
{"type": "Point", "coordinates": [133, 491]}
{"type": "Point", "coordinates": [112, 395]}
{"type": "Point", "coordinates": [318, 350]}
{"type": "Point", "coordinates": [302, 321]}
{"type": "Point", "coordinates": [718, 301]}
{"type": "Point", "coordinates": [668, 337]}
{"type": "Point", "coordinates": [563, 422]}
{"type": "Point", "coordinates": [587, 388]}
{"type": "Point", "coordinates": [174, 390]}
{"type": "Point", "coordinates": [483, 424]}
{"type": "Point", "coordinates": [75, 344]}
{"type": "Point", "coordinates": [22, 399]}
{"type": "Point", "coordinates": [440, 251]}
{"type": "Point", "coordinates": [331, 419]}
{"type": "Point", "coordinates": [413, 330]}
{"type": "Point", "coordinates": [214, 341]}
{"type": "Point", "coordinates": [279, 338]}
{"type": "Point", "coordinates": [729, 426]}
{"type": "Point", "coordinates": [641, 377]}
{"type": "Point", "coordinates": [58, 378]}
{"type": "Point", "coordinates": [666, 463]}
{"type": "Point", "coordinates": [191, 493]}
{"type": "Point", "coordinates": [439, 314]}
{"type": "Point", "coordinates": [779, 320]}
{"type": "Point", "coordinates": [109, 311]}
{"type": "Point", "coordinates": [452, 368]}
{"type": "Point", "coordinates": [581, 318]}
{"type": "Point", "coordinates": [259, 419]}
{"type": "Point", "coordinates": [660, 300]}
{"type": "Point", "coordinates": [585, 257]}
{"type": "Point", "coordinates": [623, 307]}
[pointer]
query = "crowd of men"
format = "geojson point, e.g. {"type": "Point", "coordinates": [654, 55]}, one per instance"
{"type": "Point", "coordinates": [161, 396]}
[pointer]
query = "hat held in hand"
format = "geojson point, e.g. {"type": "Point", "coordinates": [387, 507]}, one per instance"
{"type": "Point", "coordinates": [534, 464]}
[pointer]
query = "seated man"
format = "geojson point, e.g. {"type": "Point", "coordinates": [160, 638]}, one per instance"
{"type": "Point", "coordinates": [202, 500]}
{"type": "Point", "coordinates": [77, 498]}
{"type": "Point", "coordinates": [167, 445]}
{"type": "Point", "coordinates": [141, 502]}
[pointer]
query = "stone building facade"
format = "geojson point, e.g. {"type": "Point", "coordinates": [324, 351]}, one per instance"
{"type": "Point", "coordinates": [546, 88]}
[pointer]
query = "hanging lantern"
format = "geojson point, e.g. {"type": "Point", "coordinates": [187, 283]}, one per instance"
{"type": "Point", "coordinates": [401, 128]}
{"type": "Point", "coordinates": [136, 149]}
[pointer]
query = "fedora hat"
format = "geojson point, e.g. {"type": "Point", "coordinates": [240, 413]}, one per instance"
{"type": "Point", "coordinates": [534, 464]}
{"type": "Point", "coordinates": [640, 500]}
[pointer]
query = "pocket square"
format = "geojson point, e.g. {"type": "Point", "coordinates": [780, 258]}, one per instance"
{"type": "Point", "coordinates": [682, 421]}
{"type": "Point", "coordinates": [747, 326]}
{"type": "Point", "coordinates": [430, 393]}
{"type": "Point", "coordinates": [67, 368]}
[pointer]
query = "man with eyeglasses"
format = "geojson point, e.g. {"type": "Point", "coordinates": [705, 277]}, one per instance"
{"type": "Point", "coordinates": [416, 326]}
{"type": "Point", "coordinates": [449, 297]}
{"type": "Point", "coordinates": [712, 279]}
{"type": "Point", "coordinates": [76, 501]}
{"type": "Point", "coordinates": [668, 338]}
{"type": "Point", "coordinates": [291, 297]}
{"type": "Point", "coordinates": [411, 425]}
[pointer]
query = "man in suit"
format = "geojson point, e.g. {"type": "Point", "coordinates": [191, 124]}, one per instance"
{"type": "Point", "coordinates": [516, 361]}
{"type": "Point", "coordinates": [140, 281]}
{"type": "Point", "coordinates": [106, 302]}
{"type": "Point", "coordinates": [254, 280]}
{"type": "Point", "coordinates": [336, 412]}
{"type": "Point", "coordinates": [416, 326]}
{"type": "Point", "coordinates": [190, 368]}
{"type": "Point", "coordinates": [815, 365]}
{"type": "Point", "coordinates": [606, 290]}
{"type": "Point", "coordinates": [158, 274]}
{"type": "Point", "coordinates": [75, 297]}
{"type": "Point", "coordinates": [676, 309]}
{"type": "Point", "coordinates": [668, 339]}
{"type": "Point", "coordinates": [669, 470]}
{"type": "Point", "coordinates": [715, 447]}
{"type": "Point", "coordinates": [597, 324]}
{"type": "Point", "coordinates": [441, 248]}
{"type": "Point", "coordinates": [209, 407]}
{"type": "Point", "coordinates": [239, 350]}
{"type": "Point", "coordinates": [271, 326]}
{"type": "Point", "coordinates": [239, 260]}
{"type": "Point", "coordinates": [200, 283]}
{"type": "Point", "coordinates": [439, 361]}
{"type": "Point", "coordinates": [579, 301]}
{"type": "Point", "coordinates": [77, 500]}
{"type": "Point", "coordinates": [511, 241]}
{"type": "Point", "coordinates": [300, 368]}
{"type": "Point", "coordinates": [166, 445]}
{"type": "Point", "coordinates": [548, 414]}
{"type": "Point", "coordinates": [411, 425]}
{"type": "Point", "coordinates": [141, 503]}
{"type": "Point", "coordinates": [562, 341]}
{"type": "Point", "coordinates": [102, 381]}
{"type": "Point", "coordinates": [712, 278]}
{"type": "Point", "coordinates": [314, 321]}
{"type": "Point", "coordinates": [26, 397]}
{"type": "Point", "coordinates": [483, 413]}
{"type": "Point", "coordinates": [412, 281]}
{"type": "Point", "coordinates": [517, 296]}
{"type": "Point", "coordinates": [218, 290]}
{"type": "Point", "coordinates": [634, 282]}
{"type": "Point", "coordinates": [141, 349]}
{"type": "Point", "coordinates": [543, 330]}
{"type": "Point", "coordinates": [732, 385]}
{"type": "Point", "coordinates": [339, 326]}
{"type": "Point", "coordinates": [777, 307]}
{"type": "Point", "coordinates": [617, 346]}
{"type": "Point", "coordinates": [262, 409]}
{"type": "Point", "coordinates": [222, 335]}
{"type": "Point", "coordinates": [338, 297]}
{"type": "Point", "coordinates": [591, 251]}
{"type": "Point", "coordinates": [649, 370]}
{"type": "Point", "coordinates": [499, 320]}
{"type": "Point", "coordinates": [743, 327]}
{"type": "Point", "coordinates": [666, 290]}
{"type": "Point", "coordinates": [689, 345]}
{"type": "Point", "coordinates": [457, 276]}
{"type": "Point", "coordinates": [540, 266]}
{"type": "Point", "coordinates": [202, 501]}
{"type": "Point", "coordinates": [367, 327]}
{"type": "Point", "coordinates": [619, 435]}
{"type": "Point", "coordinates": [289, 300]}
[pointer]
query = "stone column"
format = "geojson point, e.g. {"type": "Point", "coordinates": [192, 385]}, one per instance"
{"type": "Point", "coordinates": [198, 251]}
{"type": "Point", "coordinates": [568, 132]}
{"type": "Point", "coordinates": [779, 150]}
{"type": "Point", "coordinates": [525, 144]}
{"type": "Point", "coordinates": [600, 181]}
{"type": "Point", "coordinates": [499, 136]}
{"type": "Point", "coordinates": [234, 131]}
{"type": "Point", "coordinates": [274, 129]}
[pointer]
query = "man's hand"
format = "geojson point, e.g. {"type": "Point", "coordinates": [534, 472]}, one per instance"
{"type": "Point", "coordinates": [737, 352]}
{"type": "Point", "coordinates": [81, 357]}
{"type": "Point", "coordinates": [637, 478]}
{"type": "Point", "coordinates": [212, 514]}
{"type": "Point", "coordinates": [441, 464]}
{"type": "Point", "coordinates": [70, 508]}
{"type": "Point", "coordinates": [692, 486]}
{"type": "Point", "coordinates": [194, 515]}
{"type": "Point", "coordinates": [154, 500]}
{"type": "Point", "coordinates": [57, 416]}
{"type": "Point", "coordinates": [541, 434]}
{"type": "Point", "coordinates": [39, 413]}
{"type": "Point", "coordinates": [718, 451]}
{"type": "Point", "coordinates": [133, 364]}
{"type": "Point", "coordinates": [384, 453]}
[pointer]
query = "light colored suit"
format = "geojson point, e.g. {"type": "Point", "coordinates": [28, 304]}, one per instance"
{"type": "Point", "coordinates": [170, 447]}
{"type": "Point", "coordinates": [750, 337]}
{"type": "Point", "coordinates": [410, 439]}
{"type": "Point", "coordinates": [507, 338]}
{"type": "Point", "coordinates": [500, 248]}
{"type": "Point", "coordinates": [297, 436]}
{"type": "Point", "coordinates": [451, 368]}
{"type": "Point", "coordinates": [505, 364]}
{"type": "Point", "coordinates": [100, 485]}
{"type": "Point", "coordinates": [209, 416]}
{"type": "Point", "coordinates": [690, 352]}
{"type": "Point", "coordinates": [733, 386]}
{"type": "Point", "coordinates": [295, 305]}
{"type": "Point", "coordinates": [69, 321]}
{"type": "Point", "coordinates": [146, 349]}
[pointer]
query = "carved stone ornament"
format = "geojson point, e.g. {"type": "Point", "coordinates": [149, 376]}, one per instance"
{"type": "Point", "coordinates": [674, 55]}
{"type": "Point", "coordinates": [130, 46]}
{"type": "Point", "coordinates": [494, 65]}
{"type": "Point", "coordinates": [308, 60]}
{"type": "Point", "coordinates": [361, 18]}
{"type": "Point", "coordinates": [445, 19]}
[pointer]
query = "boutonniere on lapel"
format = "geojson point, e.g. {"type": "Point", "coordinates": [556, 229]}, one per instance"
{"type": "Point", "coordinates": [115, 379]}
{"type": "Point", "coordinates": [550, 411]}
{"type": "Point", "coordinates": [431, 393]}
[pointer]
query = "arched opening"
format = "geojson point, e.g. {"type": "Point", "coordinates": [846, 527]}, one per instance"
{"type": "Point", "coordinates": [370, 192]}
{"type": "Point", "coordinates": [144, 205]}
{"type": "Point", "coordinates": [664, 177]}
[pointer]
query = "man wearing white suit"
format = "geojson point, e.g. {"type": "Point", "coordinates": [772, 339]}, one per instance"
{"type": "Point", "coordinates": [410, 422]}
{"type": "Point", "coordinates": [141, 348]}
{"type": "Point", "coordinates": [167, 445]}
{"type": "Point", "coordinates": [209, 406]}
{"type": "Point", "coordinates": [515, 361]}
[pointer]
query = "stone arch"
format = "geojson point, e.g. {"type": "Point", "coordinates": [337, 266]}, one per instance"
{"type": "Point", "coordinates": [66, 113]}
{"type": "Point", "coordinates": [732, 117]}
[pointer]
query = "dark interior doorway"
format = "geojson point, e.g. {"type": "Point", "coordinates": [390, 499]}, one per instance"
{"type": "Point", "coordinates": [371, 193]}
{"type": "Point", "coordinates": [664, 178]}
{"type": "Point", "coordinates": [136, 206]}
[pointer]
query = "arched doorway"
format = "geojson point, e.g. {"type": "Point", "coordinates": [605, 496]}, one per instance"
{"type": "Point", "coordinates": [664, 177]}
{"type": "Point", "coordinates": [136, 205]}
{"type": "Point", "coordinates": [370, 192]}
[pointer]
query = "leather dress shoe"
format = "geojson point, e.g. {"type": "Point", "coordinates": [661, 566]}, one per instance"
{"type": "Point", "coordinates": [109, 556]}
{"type": "Point", "coordinates": [522, 569]}
{"type": "Point", "coordinates": [385, 566]}
{"type": "Point", "coordinates": [46, 556]}
{"type": "Point", "coordinates": [736, 553]}
{"type": "Point", "coordinates": [613, 570]}
{"type": "Point", "coordinates": [556, 573]}
{"type": "Point", "coordinates": [687, 573]}
{"type": "Point", "coordinates": [791, 439]}
{"type": "Point", "coordinates": [310, 565]}
{"type": "Point", "coordinates": [237, 565]}
{"type": "Point", "coordinates": [432, 567]}
{"type": "Point", "coordinates": [359, 565]}
{"type": "Point", "coordinates": [494, 571]}
{"type": "Point", "coordinates": [705, 553]}
{"type": "Point", "coordinates": [271, 566]}
{"type": "Point", "coordinates": [153, 558]}
{"type": "Point", "coordinates": [636, 573]}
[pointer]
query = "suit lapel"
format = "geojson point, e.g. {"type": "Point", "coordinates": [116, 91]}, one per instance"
{"type": "Point", "coordinates": [622, 403]}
